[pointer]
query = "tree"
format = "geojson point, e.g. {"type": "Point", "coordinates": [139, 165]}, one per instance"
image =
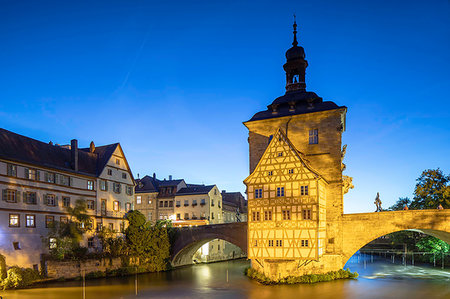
{"type": "Point", "coordinates": [433, 245]}
{"type": "Point", "coordinates": [400, 204]}
{"type": "Point", "coordinates": [69, 234]}
{"type": "Point", "coordinates": [432, 189]}
{"type": "Point", "coordinates": [148, 244]}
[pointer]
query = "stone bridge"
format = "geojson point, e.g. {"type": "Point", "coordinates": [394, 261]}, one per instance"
{"type": "Point", "coordinates": [360, 229]}
{"type": "Point", "coordinates": [357, 231]}
{"type": "Point", "coordinates": [189, 239]}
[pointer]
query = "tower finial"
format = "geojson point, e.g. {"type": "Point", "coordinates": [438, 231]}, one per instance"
{"type": "Point", "coordinates": [295, 43]}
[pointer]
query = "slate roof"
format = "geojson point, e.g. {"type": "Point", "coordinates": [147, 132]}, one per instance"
{"type": "Point", "coordinates": [169, 183]}
{"type": "Point", "coordinates": [195, 189]}
{"type": "Point", "coordinates": [294, 103]}
{"type": "Point", "coordinates": [19, 148]}
{"type": "Point", "coordinates": [146, 185]}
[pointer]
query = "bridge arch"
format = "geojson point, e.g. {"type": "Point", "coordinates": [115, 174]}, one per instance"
{"type": "Point", "coordinates": [361, 229]}
{"type": "Point", "coordinates": [189, 239]}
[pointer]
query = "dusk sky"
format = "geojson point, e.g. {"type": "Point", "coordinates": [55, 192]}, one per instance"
{"type": "Point", "coordinates": [172, 81]}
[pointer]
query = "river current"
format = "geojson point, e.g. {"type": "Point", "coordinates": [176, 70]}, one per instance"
{"type": "Point", "coordinates": [380, 279]}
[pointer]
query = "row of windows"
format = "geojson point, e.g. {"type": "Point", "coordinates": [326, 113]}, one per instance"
{"type": "Point", "coordinates": [279, 243]}
{"type": "Point", "coordinates": [29, 197]}
{"type": "Point", "coordinates": [285, 214]}
{"type": "Point", "coordinates": [194, 216]}
{"type": "Point", "coordinates": [313, 138]}
{"type": "Point", "coordinates": [304, 190]}
{"type": "Point", "coordinates": [52, 200]}
{"type": "Point", "coordinates": [30, 222]}
{"type": "Point", "coordinates": [56, 178]}
{"type": "Point", "coordinates": [49, 177]}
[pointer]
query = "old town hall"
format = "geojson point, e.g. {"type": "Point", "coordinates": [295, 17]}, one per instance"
{"type": "Point", "coordinates": [295, 188]}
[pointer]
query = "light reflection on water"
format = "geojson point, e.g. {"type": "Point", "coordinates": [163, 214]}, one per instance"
{"type": "Point", "coordinates": [377, 280]}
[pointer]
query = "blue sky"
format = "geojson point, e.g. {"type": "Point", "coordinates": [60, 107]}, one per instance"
{"type": "Point", "coordinates": [173, 82]}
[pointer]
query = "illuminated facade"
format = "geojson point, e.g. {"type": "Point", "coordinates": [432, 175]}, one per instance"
{"type": "Point", "coordinates": [295, 188]}
{"type": "Point", "coordinates": [39, 181]}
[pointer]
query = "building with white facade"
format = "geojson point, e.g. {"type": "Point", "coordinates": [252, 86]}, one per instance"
{"type": "Point", "coordinates": [38, 181]}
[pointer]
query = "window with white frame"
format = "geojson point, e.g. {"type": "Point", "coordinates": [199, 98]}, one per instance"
{"type": "Point", "coordinates": [129, 190]}
{"type": "Point", "coordinates": [90, 204]}
{"type": "Point", "coordinates": [138, 200]}
{"type": "Point", "coordinates": [117, 187]}
{"type": "Point", "coordinates": [64, 180]}
{"type": "Point", "coordinates": [11, 170]}
{"type": "Point", "coordinates": [49, 177]}
{"type": "Point", "coordinates": [10, 195]}
{"type": "Point", "coordinates": [50, 200]}
{"type": "Point", "coordinates": [90, 185]}
{"type": "Point", "coordinates": [30, 198]}
{"type": "Point", "coordinates": [14, 220]}
{"type": "Point", "coordinates": [103, 185]}
{"type": "Point", "coordinates": [30, 220]}
{"type": "Point", "coordinates": [116, 206]}
{"type": "Point", "coordinates": [31, 174]}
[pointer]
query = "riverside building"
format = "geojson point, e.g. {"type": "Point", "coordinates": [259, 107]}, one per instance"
{"type": "Point", "coordinates": [295, 188]}
{"type": "Point", "coordinates": [38, 181]}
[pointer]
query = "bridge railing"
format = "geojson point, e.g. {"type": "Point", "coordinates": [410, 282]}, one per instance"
{"type": "Point", "coordinates": [403, 257]}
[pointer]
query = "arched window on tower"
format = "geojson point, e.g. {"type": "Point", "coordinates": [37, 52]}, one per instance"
{"type": "Point", "coordinates": [295, 79]}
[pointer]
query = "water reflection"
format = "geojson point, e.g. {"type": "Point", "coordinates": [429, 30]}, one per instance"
{"type": "Point", "coordinates": [379, 279]}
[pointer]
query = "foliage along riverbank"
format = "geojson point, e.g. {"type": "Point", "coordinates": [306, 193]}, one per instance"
{"type": "Point", "coordinates": [309, 278]}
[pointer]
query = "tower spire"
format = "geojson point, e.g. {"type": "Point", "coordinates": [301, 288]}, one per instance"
{"type": "Point", "coordinates": [295, 43]}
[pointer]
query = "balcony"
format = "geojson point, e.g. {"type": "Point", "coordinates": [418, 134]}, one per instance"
{"type": "Point", "coordinates": [194, 204]}
{"type": "Point", "coordinates": [178, 206]}
{"type": "Point", "coordinates": [186, 204]}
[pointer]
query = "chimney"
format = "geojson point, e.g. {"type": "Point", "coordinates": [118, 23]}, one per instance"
{"type": "Point", "coordinates": [170, 177]}
{"type": "Point", "coordinates": [74, 154]}
{"type": "Point", "coordinates": [92, 147]}
{"type": "Point", "coordinates": [154, 176]}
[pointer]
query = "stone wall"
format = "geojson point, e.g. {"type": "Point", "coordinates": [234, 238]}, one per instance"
{"type": "Point", "coordinates": [72, 269]}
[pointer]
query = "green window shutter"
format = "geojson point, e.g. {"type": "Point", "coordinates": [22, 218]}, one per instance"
{"type": "Point", "coordinates": [106, 185]}
{"type": "Point", "coordinates": [17, 196]}
{"type": "Point", "coordinates": [27, 173]}
{"type": "Point", "coordinates": [120, 189]}
{"type": "Point", "coordinates": [56, 200]}
{"type": "Point", "coordinates": [57, 179]}
{"type": "Point", "coordinates": [38, 175]}
{"type": "Point", "coordinates": [70, 181]}
{"type": "Point", "coordinates": [45, 199]}
{"type": "Point", "coordinates": [46, 176]}
{"type": "Point", "coordinates": [4, 194]}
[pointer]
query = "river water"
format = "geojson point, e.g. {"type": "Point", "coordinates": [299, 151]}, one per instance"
{"type": "Point", "coordinates": [380, 279]}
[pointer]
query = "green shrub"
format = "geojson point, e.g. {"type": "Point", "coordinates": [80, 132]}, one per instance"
{"type": "Point", "coordinates": [309, 278]}
{"type": "Point", "coordinates": [19, 278]}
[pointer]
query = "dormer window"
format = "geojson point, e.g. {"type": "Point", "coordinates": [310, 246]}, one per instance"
{"type": "Point", "coordinates": [118, 161]}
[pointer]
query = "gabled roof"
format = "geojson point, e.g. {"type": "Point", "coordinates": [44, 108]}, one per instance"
{"type": "Point", "coordinates": [146, 185]}
{"type": "Point", "coordinates": [195, 189]}
{"type": "Point", "coordinates": [19, 148]}
{"type": "Point", "coordinates": [279, 135]}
